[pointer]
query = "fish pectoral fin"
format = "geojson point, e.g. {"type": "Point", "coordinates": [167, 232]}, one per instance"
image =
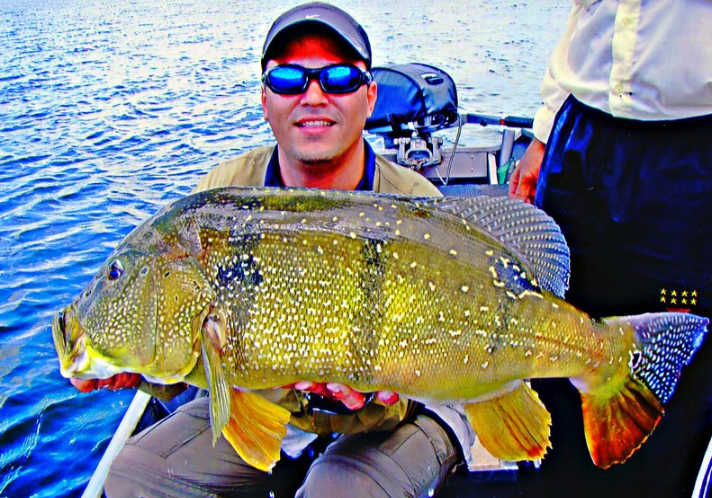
{"type": "Point", "coordinates": [256, 429]}
{"type": "Point", "coordinates": [217, 387]}
{"type": "Point", "coordinates": [618, 420]}
{"type": "Point", "coordinates": [514, 426]}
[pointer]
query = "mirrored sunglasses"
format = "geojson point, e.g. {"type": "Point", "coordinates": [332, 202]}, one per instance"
{"type": "Point", "coordinates": [290, 79]}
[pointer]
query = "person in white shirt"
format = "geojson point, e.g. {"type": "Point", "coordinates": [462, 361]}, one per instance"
{"type": "Point", "coordinates": [622, 160]}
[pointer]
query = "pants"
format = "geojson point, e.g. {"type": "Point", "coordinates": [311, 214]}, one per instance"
{"type": "Point", "coordinates": [634, 201]}
{"type": "Point", "coordinates": [175, 458]}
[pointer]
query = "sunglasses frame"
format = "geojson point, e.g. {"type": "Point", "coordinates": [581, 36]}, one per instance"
{"type": "Point", "coordinates": [365, 78]}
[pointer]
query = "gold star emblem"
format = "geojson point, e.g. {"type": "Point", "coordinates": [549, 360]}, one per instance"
{"type": "Point", "coordinates": [673, 301]}
{"type": "Point", "coordinates": [693, 301]}
{"type": "Point", "coordinates": [663, 292]}
{"type": "Point", "coordinates": [684, 293]}
{"type": "Point", "coordinates": [673, 293]}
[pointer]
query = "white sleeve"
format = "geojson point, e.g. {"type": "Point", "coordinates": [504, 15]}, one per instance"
{"type": "Point", "coordinates": [553, 96]}
{"type": "Point", "coordinates": [551, 92]}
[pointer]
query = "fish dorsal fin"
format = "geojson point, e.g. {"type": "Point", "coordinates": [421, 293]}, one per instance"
{"type": "Point", "coordinates": [522, 227]}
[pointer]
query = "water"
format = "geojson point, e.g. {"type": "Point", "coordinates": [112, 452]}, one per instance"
{"type": "Point", "coordinates": [109, 110]}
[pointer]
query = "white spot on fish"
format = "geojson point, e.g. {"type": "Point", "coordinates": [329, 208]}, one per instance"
{"type": "Point", "coordinates": [485, 365]}
{"type": "Point", "coordinates": [426, 236]}
{"type": "Point", "coordinates": [464, 288]}
{"type": "Point", "coordinates": [467, 358]}
{"type": "Point", "coordinates": [453, 252]}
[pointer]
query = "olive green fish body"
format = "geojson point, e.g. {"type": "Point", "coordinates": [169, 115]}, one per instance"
{"type": "Point", "coordinates": [440, 300]}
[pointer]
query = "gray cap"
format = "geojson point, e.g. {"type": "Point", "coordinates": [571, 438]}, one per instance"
{"type": "Point", "coordinates": [323, 15]}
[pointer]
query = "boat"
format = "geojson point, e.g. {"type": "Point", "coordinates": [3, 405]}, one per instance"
{"type": "Point", "coordinates": [416, 103]}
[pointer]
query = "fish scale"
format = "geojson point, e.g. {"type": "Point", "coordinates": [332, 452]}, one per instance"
{"type": "Point", "coordinates": [440, 300]}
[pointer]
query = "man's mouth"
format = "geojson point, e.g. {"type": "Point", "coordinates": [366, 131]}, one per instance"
{"type": "Point", "coordinates": [314, 123]}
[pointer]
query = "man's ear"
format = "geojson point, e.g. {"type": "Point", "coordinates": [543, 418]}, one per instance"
{"type": "Point", "coordinates": [371, 95]}
{"type": "Point", "coordinates": [263, 98]}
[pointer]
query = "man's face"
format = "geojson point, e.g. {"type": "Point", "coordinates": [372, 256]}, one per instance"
{"type": "Point", "coordinates": [316, 127]}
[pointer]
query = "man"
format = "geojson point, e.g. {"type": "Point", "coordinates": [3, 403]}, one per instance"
{"type": "Point", "coordinates": [626, 174]}
{"type": "Point", "coordinates": [317, 93]}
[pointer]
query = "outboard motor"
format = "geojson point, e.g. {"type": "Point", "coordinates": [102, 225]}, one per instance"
{"type": "Point", "coordinates": [414, 100]}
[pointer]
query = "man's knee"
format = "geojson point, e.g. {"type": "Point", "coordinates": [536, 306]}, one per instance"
{"type": "Point", "coordinates": [409, 461]}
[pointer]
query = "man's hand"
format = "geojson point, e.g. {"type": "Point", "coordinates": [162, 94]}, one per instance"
{"type": "Point", "coordinates": [118, 381]}
{"type": "Point", "coordinates": [353, 400]}
{"type": "Point", "coordinates": [522, 185]}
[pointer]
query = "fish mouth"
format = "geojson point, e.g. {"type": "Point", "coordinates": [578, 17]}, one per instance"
{"type": "Point", "coordinates": [69, 341]}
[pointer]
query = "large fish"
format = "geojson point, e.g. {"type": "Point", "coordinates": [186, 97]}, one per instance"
{"type": "Point", "coordinates": [451, 301]}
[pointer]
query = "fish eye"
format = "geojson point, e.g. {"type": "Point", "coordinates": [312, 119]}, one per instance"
{"type": "Point", "coordinates": [115, 270]}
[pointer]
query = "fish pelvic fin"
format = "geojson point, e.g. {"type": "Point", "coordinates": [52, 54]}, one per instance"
{"type": "Point", "coordinates": [256, 429]}
{"type": "Point", "coordinates": [619, 416]}
{"type": "Point", "coordinates": [217, 387]}
{"type": "Point", "coordinates": [514, 426]}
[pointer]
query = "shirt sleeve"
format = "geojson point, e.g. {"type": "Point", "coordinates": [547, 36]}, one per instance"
{"type": "Point", "coordinates": [552, 94]}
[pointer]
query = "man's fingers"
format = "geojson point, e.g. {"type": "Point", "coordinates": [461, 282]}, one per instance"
{"type": "Point", "coordinates": [387, 397]}
{"type": "Point", "coordinates": [118, 381]}
{"type": "Point", "coordinates": [83, 385]}
{"type": "Point", "coordinates": [514, 182]}
{"type": "Point", "coordinates": [124, 381]}
{"type": "Point", "coordinates": [353, 400]}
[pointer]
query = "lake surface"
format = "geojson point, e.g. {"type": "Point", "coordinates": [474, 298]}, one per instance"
{"type": "Point", "coordinates": [109, 110]}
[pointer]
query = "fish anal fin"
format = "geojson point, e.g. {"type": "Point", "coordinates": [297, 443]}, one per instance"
{"type": "Point", "coordinates": [256, 429]}
{"type": "Point", "coordinates": [514, 426]}
{"type": "Point", "coordinates": [618, 421]}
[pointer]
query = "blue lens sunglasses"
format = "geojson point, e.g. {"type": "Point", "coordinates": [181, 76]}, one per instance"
{"type": "Point", "coordinates": [290, 79]}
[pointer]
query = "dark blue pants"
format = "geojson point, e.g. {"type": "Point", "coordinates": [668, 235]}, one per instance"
{"type": "Point", "coordinates": [634, 201]}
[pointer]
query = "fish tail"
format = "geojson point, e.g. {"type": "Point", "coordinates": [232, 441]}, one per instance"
{"type": "Point", "coordinates": [620, 414]}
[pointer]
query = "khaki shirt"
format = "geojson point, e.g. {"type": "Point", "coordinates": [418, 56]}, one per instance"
{"type": "Point", "coordinates": [249, 169]}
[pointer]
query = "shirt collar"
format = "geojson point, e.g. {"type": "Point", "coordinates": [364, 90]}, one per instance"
{"type": "Point", "coordinates": [273, 178]}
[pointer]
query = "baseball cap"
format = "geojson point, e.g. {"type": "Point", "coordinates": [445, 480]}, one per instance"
{"type": "Point", "coordinates": [322, 15]}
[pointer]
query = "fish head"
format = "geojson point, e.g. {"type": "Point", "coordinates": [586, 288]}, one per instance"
{"type": "Point", "coordinates": [141, 313]}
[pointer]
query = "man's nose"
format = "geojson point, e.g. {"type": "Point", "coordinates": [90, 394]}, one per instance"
{"type": "Point", "coordinates": [314, 95]}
